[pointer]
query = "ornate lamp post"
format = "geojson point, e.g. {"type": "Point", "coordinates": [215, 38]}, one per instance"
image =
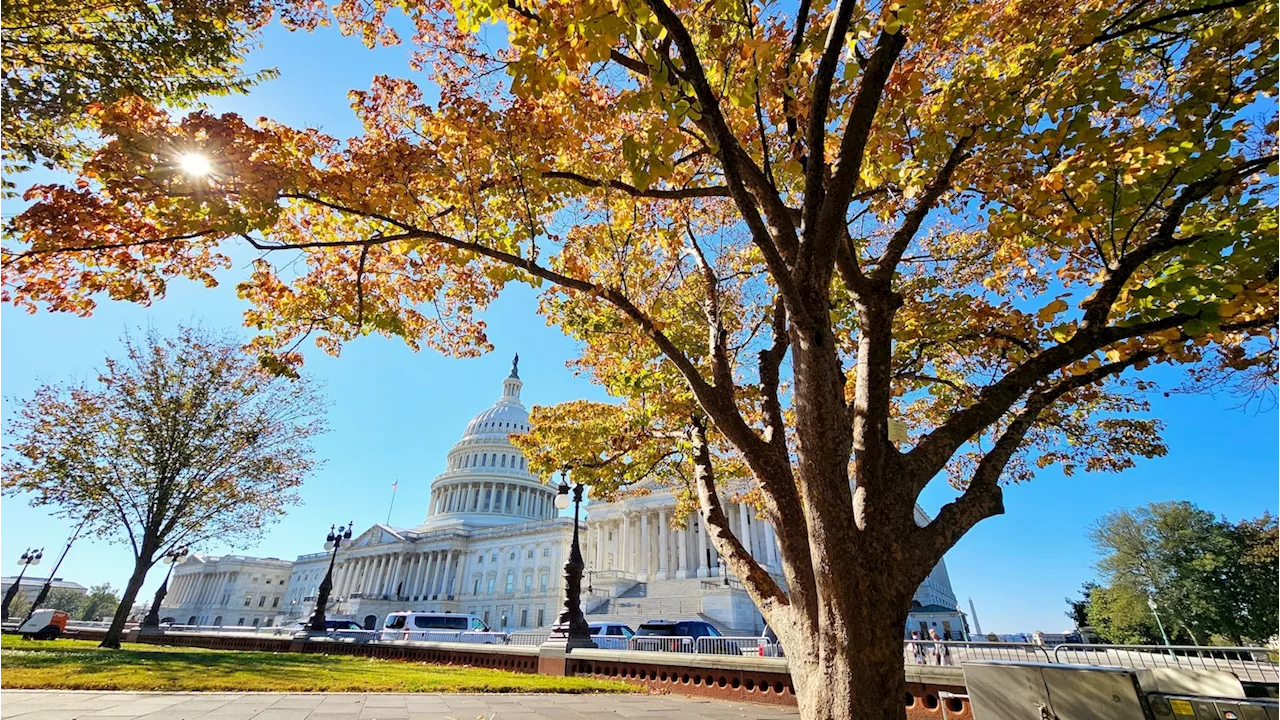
{"type": "Point", "coordinates": [171, 558]}
{"type": "Point", "coordinates": [30, 557]}
{"type": "Point", "coordinates": [572, 627]}
{"type": "Point", "coordinates": [48, 584]}
{"type": "Point", "coordinates": [332, 542]}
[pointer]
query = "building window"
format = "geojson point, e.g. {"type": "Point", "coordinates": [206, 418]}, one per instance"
{"type": "Point", "coordinates": [248, 600]}
{"type": "Point", "coordinates": [255, 622]}
{"type": "Point", "coordinates": [540, 618]}
{"type": "Point", "coordinates": [217, 621]}
{"type": "Point", "coordinates": [262, 601]}
{"type": "Point", "coordinates": [512, 556]}
{"type": "Point", "coordinates": [542, 587]}
{"type": "Point", "coordinates": [476, 590]}
{"type": "Point", "coordinates": [528, 586]}
{"type": "Point", "coordinates": [546, 552]}
{"type": "Point", "coordinates": [240, 621]}
{"type": "Point", "coordinates": [511, 581]}
{"type": "Point", "coordinates": [480, 559]}
{"type": "Point", "coordinates": [530, 555]}
{"type": "Point", "coordinates": [489, 587]}
{"type": "Point", "coordinates": [504, 461]}
{"type": "Point", "coordinates": [486, 617]}
{"type": "Point", "coordinates": [275, 601]}
{"type": "Point", "coordinates": [493, 558]}
{"type": "Point", "coordinates": [268, 622]}
{"type": "Point", "coordinates": [524, 617]}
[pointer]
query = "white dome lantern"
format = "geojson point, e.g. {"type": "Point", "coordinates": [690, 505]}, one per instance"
{"type": "Point", "coordinates": [487, 481]}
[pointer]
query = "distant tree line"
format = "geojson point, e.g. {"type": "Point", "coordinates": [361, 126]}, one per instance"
{"type": "Point", "coordinates": [101, 601]}
{"type": "Point", "coordinates": [1213, 582]}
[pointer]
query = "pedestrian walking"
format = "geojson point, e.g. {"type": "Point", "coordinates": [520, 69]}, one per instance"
{"type": "Point", "coordinates": [941, 653]}
{"type": "Point", "coordinates": [916, 648]}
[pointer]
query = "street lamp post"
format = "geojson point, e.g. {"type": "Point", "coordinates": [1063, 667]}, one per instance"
{"type": "Point", "coordinates": [30, 557]}
{"type": "Point", "coordinates": [332, 542]}
{"type": "Point", "coordinates": [1151, 603]}
{"type": "Point", "coordinates": [171, 558]}
{"type": "Point", "coordinates": [572, 628]}
{"type": "Point", "coordinates": [48, 584]}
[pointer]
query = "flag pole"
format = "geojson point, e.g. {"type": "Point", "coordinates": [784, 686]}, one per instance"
{"type": "Point", "coordinates": [393, 500]}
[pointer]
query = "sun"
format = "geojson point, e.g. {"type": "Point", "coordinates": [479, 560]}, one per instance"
{"type": "Point", "coordinates": [195, 164]}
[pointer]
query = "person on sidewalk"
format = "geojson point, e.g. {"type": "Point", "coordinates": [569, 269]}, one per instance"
{"type": "Point", "coordinates": [916, 648]}
{"type": "Point", "coordinates": [941, 653]}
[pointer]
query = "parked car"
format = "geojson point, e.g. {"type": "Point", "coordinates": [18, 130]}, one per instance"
{"type": "Point", "coordinates": [611, 636]}
{"type": "Point", "coordinates": [679, 630]}
{"type": "Point", "coordinates": [608, 629]}
{"type": "Point", "coordinates": [413, 625]}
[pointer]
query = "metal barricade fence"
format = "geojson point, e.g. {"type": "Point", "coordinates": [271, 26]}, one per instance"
{"type": "Point", "coordinates": [661, 643]}
{"type": "Point", "coordinates": [611, 642]}
{"type": "Point", "coordinates": [1250, 664]}
{"type": "Point", "coordinates": [528, 638]}
{"type": "Point", "coordinates": [746, 645]}
{"type": "Point", "coordinates": [955, 652]}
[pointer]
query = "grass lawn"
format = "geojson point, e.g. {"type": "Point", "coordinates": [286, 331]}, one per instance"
{"type": "Point", "coordinates": [82, 665]}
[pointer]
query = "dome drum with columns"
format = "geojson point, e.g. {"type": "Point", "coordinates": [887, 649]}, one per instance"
{"type": "Point", "coordinates": [487, 481]}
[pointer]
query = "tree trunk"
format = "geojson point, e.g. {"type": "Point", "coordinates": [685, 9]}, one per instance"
{"type": "Point", "coordinates": [112, 639]}
{"type": "Point", "coordinates": [866, 680]}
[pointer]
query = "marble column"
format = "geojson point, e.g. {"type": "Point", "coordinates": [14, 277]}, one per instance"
{"type": "Point", "coordinates": [460, 574]}
{"type": "Point", "coordinates": [744, 529]}
{"type": "Point", "coordinates": [428, 566]}
{"type": "Point", "coordinates": [624, 557]}
{"type": "Point", "coordinates": [678, 561]}
{"type": "Point", "coordinates": [442, 582]}
{"type": "Point", "coordinates": [437, 572]}
{"type": "Point", "coordinates": [642, 567]}
{"type": "Point", "coordinates": [664, 542]}
{"type": "Point", "coordinates": [701, 565]}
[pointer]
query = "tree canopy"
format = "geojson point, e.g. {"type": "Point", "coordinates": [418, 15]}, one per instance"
{"type": "Point", "coordinates": [775, 228]}
{"type": "Point", "coordinates": [64, 58]}
{"type": "Point", "coordinates": [1211, 579]}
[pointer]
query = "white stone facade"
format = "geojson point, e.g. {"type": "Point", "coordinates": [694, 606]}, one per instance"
{"type": "Point", "coordinates": [226, 590]}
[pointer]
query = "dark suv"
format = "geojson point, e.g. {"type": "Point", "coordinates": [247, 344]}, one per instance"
{"type": "Point", "coordinates": [678, 630]}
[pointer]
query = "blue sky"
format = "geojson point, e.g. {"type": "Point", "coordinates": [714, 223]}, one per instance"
{"type": "Point", "coordinates": [394, 414]}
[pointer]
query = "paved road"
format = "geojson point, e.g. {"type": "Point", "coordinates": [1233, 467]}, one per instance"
{"type": "Point", "coordinates": [65, 705]}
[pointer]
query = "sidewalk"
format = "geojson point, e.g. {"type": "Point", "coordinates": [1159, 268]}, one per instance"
{"type": "Point", "coordinates": [69, 705]}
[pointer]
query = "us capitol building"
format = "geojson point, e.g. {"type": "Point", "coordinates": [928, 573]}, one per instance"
{"type": "Point", "coordinates": [494, 545]}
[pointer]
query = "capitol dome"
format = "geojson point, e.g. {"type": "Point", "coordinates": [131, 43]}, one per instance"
{"type": "Point", "coordinates": [487, 481]}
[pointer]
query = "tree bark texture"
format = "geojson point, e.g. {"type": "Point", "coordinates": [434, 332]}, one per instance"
{"type": "Point", "coordinates": [112, 638]}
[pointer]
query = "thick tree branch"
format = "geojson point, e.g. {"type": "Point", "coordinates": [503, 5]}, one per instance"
{"type": "Point", "coordinates": [824, 210]}
{"type": "Point", "coordinates": [740, 170]}
{"type": "Point", "coordinates": [788, 94]}
{"type": "Point", "coordinates": [759, 583]}
{"type": "Point", "coordinates": [984, 498]}
{"type": "Point", "coordinates": [820, 100]}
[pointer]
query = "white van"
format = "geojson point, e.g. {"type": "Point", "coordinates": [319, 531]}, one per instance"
{"type": "Point", "coordinates": [439, 627]}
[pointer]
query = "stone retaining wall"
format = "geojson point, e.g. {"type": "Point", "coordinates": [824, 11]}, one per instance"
{"type": "Point", "coordinates": [749, 679]}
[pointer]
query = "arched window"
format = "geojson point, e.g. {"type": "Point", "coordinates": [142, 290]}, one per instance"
{"type": "Point", "coordinates": [494, 458]}
{"type": "Point", "coordinates": [504, 461]}
{"type": "Point", "coordinates": [521, 462]}
{"type": "Point", "coordinates": [511, 581]}
{"type": "Point", "coordinates": [482, 460]}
